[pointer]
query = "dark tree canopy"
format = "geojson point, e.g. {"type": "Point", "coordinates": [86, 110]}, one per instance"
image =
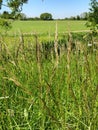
{"type": "Point", "coordinates": [46, 16]}
{"type": "Point", "coordinates": [0, 3]}
{"type": "Point", "coordinates": [5, 15]}
{"type": "Point", "coordinates": [93, 14]}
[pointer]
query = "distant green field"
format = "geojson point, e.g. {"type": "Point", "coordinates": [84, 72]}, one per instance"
{"type": "Point", "coordinates": [47, 26]}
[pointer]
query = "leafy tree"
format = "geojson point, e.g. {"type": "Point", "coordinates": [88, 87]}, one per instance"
{"type": "Point", "coordinates": [20, 16]}
{"type": "Point", "coordinates": [72, 18]}
{"type": "Point", "coordinates": [46, 16]}
{"type": "Point", "coordinates": [93, 15]}
{"type": "Point", "coordinates": [15, 6]}
{"type": "Point", "coordinates": [5, 15]}
{"type": "Point", "coordinates": [0, 3]}
{"type": "Point", "coordinates": [78, 17]}
{"type": "Point", "coordinates": [5, 24]}
{"type": "Point", "coordinates": [84, 15]}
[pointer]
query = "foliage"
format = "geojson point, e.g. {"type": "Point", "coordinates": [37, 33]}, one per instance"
{"type": "Point", "coordinates": [46, 16]}
{"type": "Point", "coordinates": [5, 15]}
{"type": "Point", "coordinates": [78, 17]}
{"type": "Point", "coordinates": [93, 15]}
{"type": "Point", "coordinates": [0, 3]}
{"type": "Point", "coordinates": [15, 6]}
{"type": "Point", "coordinates": [5, 24]}
{"type": "Point", "coordinates": [84, 16]}
{"type": "Point", "coordinates": [20, 16]}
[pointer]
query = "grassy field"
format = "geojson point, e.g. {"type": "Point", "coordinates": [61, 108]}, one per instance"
{"type": "Point", "coordinates": [45, 29]}
{"type": "Point", "coordinates": [49, 85]}
{"type": "Point", "coordinates": [47, 26]}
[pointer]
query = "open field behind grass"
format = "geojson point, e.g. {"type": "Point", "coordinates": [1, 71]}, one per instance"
{"type": "Point", "coordinates": [44, 27]}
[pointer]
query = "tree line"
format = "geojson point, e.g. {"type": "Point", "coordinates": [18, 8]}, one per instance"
{"type": "Point", "coordinates": [43, 16]}
{"type": "Point", "coordinates": [22, 16]}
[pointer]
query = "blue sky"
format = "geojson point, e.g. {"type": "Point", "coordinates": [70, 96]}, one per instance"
{"type": "Point", "coordinates": [58, 8]}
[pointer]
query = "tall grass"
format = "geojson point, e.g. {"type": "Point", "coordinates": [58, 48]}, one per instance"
{"type": "Point", "coordinates": [37, 95]}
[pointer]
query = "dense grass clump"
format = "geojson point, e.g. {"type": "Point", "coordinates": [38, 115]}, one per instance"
{"type": "Point", "coordinates": [48, 86]}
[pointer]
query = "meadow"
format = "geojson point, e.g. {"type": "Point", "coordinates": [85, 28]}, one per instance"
{"type": "Point", "coordinates": [44, 27]}
{"type": "Point", "coordinates": [48, 84]}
